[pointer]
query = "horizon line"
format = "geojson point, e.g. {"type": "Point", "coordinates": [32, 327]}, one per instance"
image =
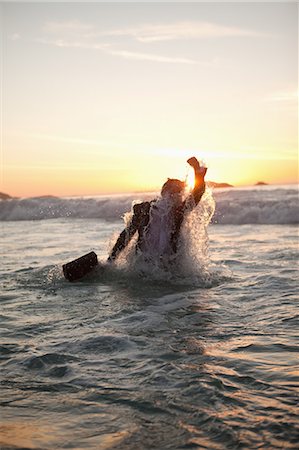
{"type": "Point", "coordinates": [153, 190]}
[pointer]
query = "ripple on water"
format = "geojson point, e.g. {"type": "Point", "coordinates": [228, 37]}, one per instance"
{"type": "Point", "coordinates": [105, 344]}
{"type": "Point", "coordinates": [48, 359]}
{"type": "Point", "coordinates": [9, 350]}
{"type": "Point", "coordinates": [142, 365]}
{"type": "Point", "coordinates": [271, 348]}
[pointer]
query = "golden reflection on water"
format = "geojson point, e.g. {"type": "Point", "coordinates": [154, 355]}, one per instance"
{"type": "Point", "coordinates": [112, 439]}
{"type": "Point", "coordinates": [26, 434]}
{"type": "Point", "coordinates": [36, 435]}
{"type": "Point", "coordinates": [243, 349]}
{"type": "Point", "coordinates": [198, 438]}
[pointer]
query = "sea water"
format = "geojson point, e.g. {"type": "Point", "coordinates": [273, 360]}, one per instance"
{"type": "Point", "coordinates": [132, 360]}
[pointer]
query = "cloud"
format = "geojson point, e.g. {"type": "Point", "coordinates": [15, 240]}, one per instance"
{"type": "Point", "coordinates": [73, 27]}
{"type": "Point", "coordinates": [76, 34]}
{"type": "Point", "coordinates": [150, 57]}
{"type": "Point", "coordinates": [153, 32]}
{"type": "Point", "coordinates": [121, 53]}
{"type": "Point", "coordinates": [66, 43]}
{"type": "Point", "coordinates": [206, 152]}
{"type": "Point", "coordinates": [181, 30]}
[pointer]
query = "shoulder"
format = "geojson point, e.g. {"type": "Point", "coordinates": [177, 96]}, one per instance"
{"type": "Point", "coordinates": [141, 208]}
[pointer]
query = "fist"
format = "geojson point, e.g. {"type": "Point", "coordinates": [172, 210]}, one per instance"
{"type": "Point", "coordinates": [193, 162]}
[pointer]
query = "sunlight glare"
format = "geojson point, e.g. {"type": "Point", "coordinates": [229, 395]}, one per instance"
{"type": "Point", "coordinates": [190, 180]}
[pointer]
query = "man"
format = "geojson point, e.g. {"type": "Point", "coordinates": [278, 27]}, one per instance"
{"type": "Point", "coordinates": [158, 222]}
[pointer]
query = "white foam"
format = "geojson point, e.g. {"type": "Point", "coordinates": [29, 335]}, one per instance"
{"type": "Point", "coordinates": [233, 206]}
{"type": "Point", "coordinates": [191, 264]}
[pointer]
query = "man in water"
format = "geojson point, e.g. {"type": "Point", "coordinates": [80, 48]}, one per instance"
{"type": "Point", "coordinates": [158, 222]}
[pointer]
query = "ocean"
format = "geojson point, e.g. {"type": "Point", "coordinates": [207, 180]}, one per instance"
{"type": "Point", "coordinates": [201, 356]}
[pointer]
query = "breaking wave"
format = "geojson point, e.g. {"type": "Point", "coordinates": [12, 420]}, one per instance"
{"type": "Point", "coordinates": [267, 205]}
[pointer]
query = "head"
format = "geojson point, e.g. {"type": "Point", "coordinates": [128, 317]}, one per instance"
{"type": "Point", "coordinates": [172, 187]}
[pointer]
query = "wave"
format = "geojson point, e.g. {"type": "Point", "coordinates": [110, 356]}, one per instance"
{"type": "Point", "coordinates": [257, 206]}
{"type": "Point", "coordinates": [233, 206]}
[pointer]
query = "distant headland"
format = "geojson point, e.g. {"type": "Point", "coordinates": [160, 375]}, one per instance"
{"type": "Point", "coordinates": [261, 183]}
{"type": "Point", "coordinates": [213, 184]}
{"type": "Point", "coordinates": [4, 196]}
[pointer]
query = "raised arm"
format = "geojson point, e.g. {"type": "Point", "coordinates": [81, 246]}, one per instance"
{"type": "Point", "coordinates": [123, 239]}
{"type": "Point", "coordinates": [199, 184]}
{"type": "Point", "coordinates": [127, 234]}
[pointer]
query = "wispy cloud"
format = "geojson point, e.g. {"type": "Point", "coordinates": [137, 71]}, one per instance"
{"type": "Point", "coordinates": [150, 57]}
{"type": "Point", "coordinates": [181, 30]}
{"type": "Point", "coordinates": [67, 43]}
{"type": "Point", "coordinates": [76, 34]}
{"type": "Point", "coordinates": [70, 27]}
{"type": "Point", "coordinates": [121, 53]}
{"type": "Point", "coordinates": [205, 152]}
{"type": "Point", "coordinates": [154, 32]}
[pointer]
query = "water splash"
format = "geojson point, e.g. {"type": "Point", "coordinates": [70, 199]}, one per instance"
{"type": "Point", "coordinates": [191, 264]}
{"type": "Point", "coordinates": [193, 253]}
{"type": "Point", "coordinates": [54, 275]}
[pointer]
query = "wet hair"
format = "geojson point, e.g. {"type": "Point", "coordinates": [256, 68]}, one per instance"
{"type": "Point", "coordinates": [173, 186]}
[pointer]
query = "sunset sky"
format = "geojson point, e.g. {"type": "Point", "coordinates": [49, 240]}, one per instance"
{"type": "Point", "coordinates": [114, 97]}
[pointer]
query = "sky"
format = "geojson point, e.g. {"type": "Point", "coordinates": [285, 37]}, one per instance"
{"type": "Point", "coordinates": [114, 97]}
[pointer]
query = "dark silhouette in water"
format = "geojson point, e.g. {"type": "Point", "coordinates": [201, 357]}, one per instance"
{"type": "Point", "coordinates": [159, 221]}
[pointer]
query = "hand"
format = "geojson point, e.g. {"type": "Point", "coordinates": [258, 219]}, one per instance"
{"type": "Point", "coordinates": [193, 162]}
